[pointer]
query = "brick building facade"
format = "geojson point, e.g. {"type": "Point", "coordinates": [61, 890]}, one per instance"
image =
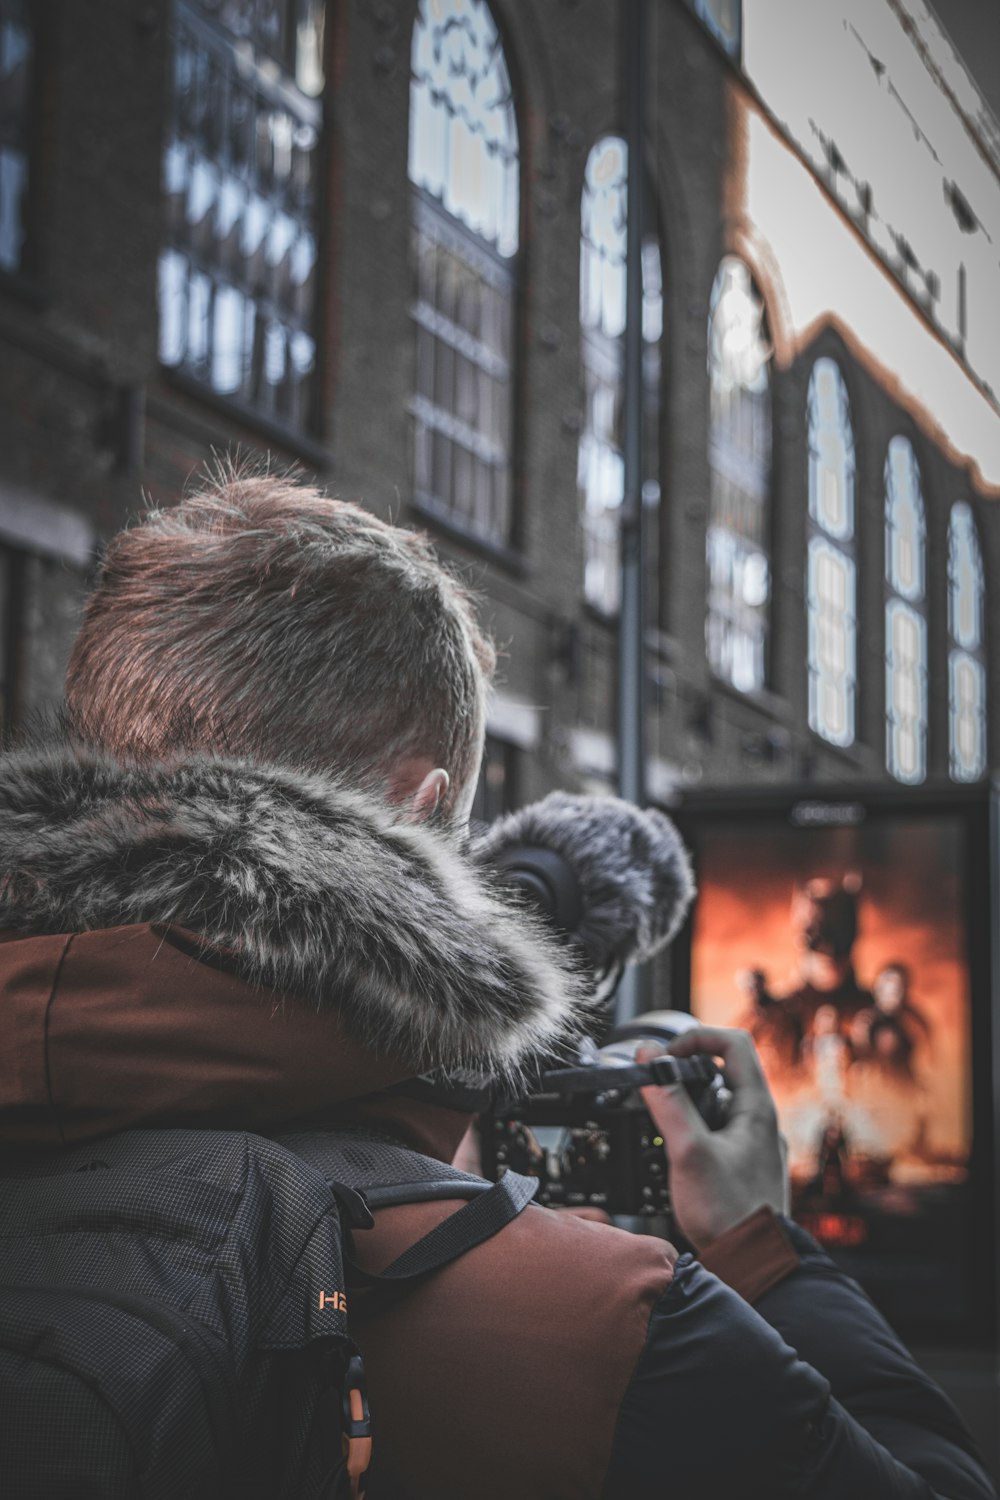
{"type": "Point", "coordinates": [308, 347]}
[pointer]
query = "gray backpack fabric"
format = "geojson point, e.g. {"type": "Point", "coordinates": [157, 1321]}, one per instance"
{"type": "Point", "coordinates": [173, 1310]}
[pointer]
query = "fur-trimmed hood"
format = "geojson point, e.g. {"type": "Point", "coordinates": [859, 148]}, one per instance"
{"type": "Point", "coordinates": [310, 888]}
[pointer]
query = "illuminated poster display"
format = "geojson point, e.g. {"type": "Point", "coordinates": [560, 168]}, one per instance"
{"type": "Point", "coordinates": [845, 951]}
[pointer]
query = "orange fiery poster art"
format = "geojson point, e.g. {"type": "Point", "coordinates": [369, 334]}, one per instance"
{"type": "Point", "coordinates": [843, 951]}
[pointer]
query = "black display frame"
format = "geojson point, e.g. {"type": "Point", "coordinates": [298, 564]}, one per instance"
{"type": "Point", "coordinates": [978, 810]}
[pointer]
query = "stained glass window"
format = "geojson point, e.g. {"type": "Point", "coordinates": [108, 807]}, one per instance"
{"type": "Point", "coordinates": [463, 165]}
{"type": "Point", "coordinates": [739, 574]}
{"type": "Point", "coordinates": [16, 72]}
{"type": "Point", "coordinates": [905, 619]}
{"type": "Point", "coordinates": [831, 582]}
{"type": "Point", "coordinates": [600, 464]}
{"type": "Point", "coordinates": [238, 270]}
{"type": "Point", "coordinates": [967, 653]}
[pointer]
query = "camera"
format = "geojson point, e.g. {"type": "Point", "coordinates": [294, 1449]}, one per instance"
{"type": "Point", "coordinates": [585, 1133]}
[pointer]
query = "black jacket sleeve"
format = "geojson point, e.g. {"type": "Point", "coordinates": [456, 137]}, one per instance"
{"type": "Point", "coordinates": [878, 1391]}
{"type": "Point", "coordinates": [810, 1395]}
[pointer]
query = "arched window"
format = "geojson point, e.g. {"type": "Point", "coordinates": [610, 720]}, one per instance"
{"type": "Point", "coordinates": [739, 582]}
{"type": "Point", "coordinates": [463, 165]}
{"type": "Point", "coordinates": [237, 294]}
{"type": "Point", "coordinates": [831, 572]}
{"type": "Point", "coordinates": [967, 648]}
{"type": "Point", "coordinates": [600, 464]}
{"type": "Point", "coordinates": [905, 616]}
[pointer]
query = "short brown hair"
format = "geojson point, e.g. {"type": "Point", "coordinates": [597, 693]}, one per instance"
{"type": "Point", "coordinates": [260, 618]}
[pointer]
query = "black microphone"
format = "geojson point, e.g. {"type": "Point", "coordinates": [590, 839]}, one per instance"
{"type": "Point", "coordinates": [613, 878]}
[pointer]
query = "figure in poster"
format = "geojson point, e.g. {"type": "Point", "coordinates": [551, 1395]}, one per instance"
{"type": "Point", "coordinates": [888, 1032]}
{"type": "Point", "coordinates": [825, 927]}
{"type": "Point", "coordinates": [775, 1028]}
{"type": "Point", "coordinates": [831, 1188]}
{"type": "Point", "coordinates": [829, 1054]}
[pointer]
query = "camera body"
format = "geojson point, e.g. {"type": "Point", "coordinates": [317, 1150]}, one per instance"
{"type": "Point", "coordinates": [586, 1135]}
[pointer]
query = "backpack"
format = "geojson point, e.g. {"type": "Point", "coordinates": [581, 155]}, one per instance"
{"type": "Point", "coordinates": [174, 1309]}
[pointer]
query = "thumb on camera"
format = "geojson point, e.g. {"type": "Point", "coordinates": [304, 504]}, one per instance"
{"type": "Point", "coordinates": [672, 1108]}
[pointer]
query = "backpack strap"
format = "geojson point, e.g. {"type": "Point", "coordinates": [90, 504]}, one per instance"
{"type": "Point", "coordinates": [378, 1165]}
{"type": "Point", "coordinates": [479, 1220]}
{"type": "Point", "coordinates": [461, 1185]}
{"type": "Point", "coordinates": [383, 1173]}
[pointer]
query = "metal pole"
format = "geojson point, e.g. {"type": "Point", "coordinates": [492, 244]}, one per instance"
{"type": "Point", "coordinates": [631, 619]}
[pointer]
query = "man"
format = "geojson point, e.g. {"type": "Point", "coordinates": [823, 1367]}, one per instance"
{"type": "Point", "coordinates": [238, 899]}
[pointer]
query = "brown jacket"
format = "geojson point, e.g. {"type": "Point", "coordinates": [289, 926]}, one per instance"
{"type": "Point", "coordinates": [218, 946]}
{"type": "Point", "coordinates": [100, 1031]}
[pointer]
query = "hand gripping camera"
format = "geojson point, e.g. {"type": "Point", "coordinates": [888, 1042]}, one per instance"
{"type": "Point", "coordinates": [615, 882]}
{"type": "Point", "coordinates": [585, 1132]}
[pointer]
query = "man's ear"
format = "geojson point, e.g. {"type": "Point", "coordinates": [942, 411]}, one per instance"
{"type": "Point", "coordinates": [429, 794]}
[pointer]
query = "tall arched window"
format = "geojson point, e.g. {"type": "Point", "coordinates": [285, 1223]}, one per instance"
{"type": "Point", "coordinates": [831, 573]}
{"type": "Point", "coordinates": [967, 648]}
{"type": "Point", "coordinates": [237, 293]}
{"type": "Point", "coordinates": [463, 165]}
{"type": "Point", "coordinates": [905, 616]}
{"type": "Point", "coordinates": [600, 465]}
{"type": "Point", "coordinates": [739, 583]}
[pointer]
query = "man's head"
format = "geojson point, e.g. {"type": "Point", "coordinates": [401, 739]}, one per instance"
{"type": "Point", "coordinates": [261, 619]}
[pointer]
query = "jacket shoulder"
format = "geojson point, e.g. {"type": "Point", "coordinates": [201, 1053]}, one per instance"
{"type": "Point", "coordinates": [512, 1362]}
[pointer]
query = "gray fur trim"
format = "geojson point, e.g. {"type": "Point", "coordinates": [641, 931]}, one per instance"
{"type": "Point", "coordinates": [318, 890]}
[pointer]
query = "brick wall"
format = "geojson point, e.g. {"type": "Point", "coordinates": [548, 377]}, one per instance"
{"type": "Point", "coordinates": [91, 424]}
